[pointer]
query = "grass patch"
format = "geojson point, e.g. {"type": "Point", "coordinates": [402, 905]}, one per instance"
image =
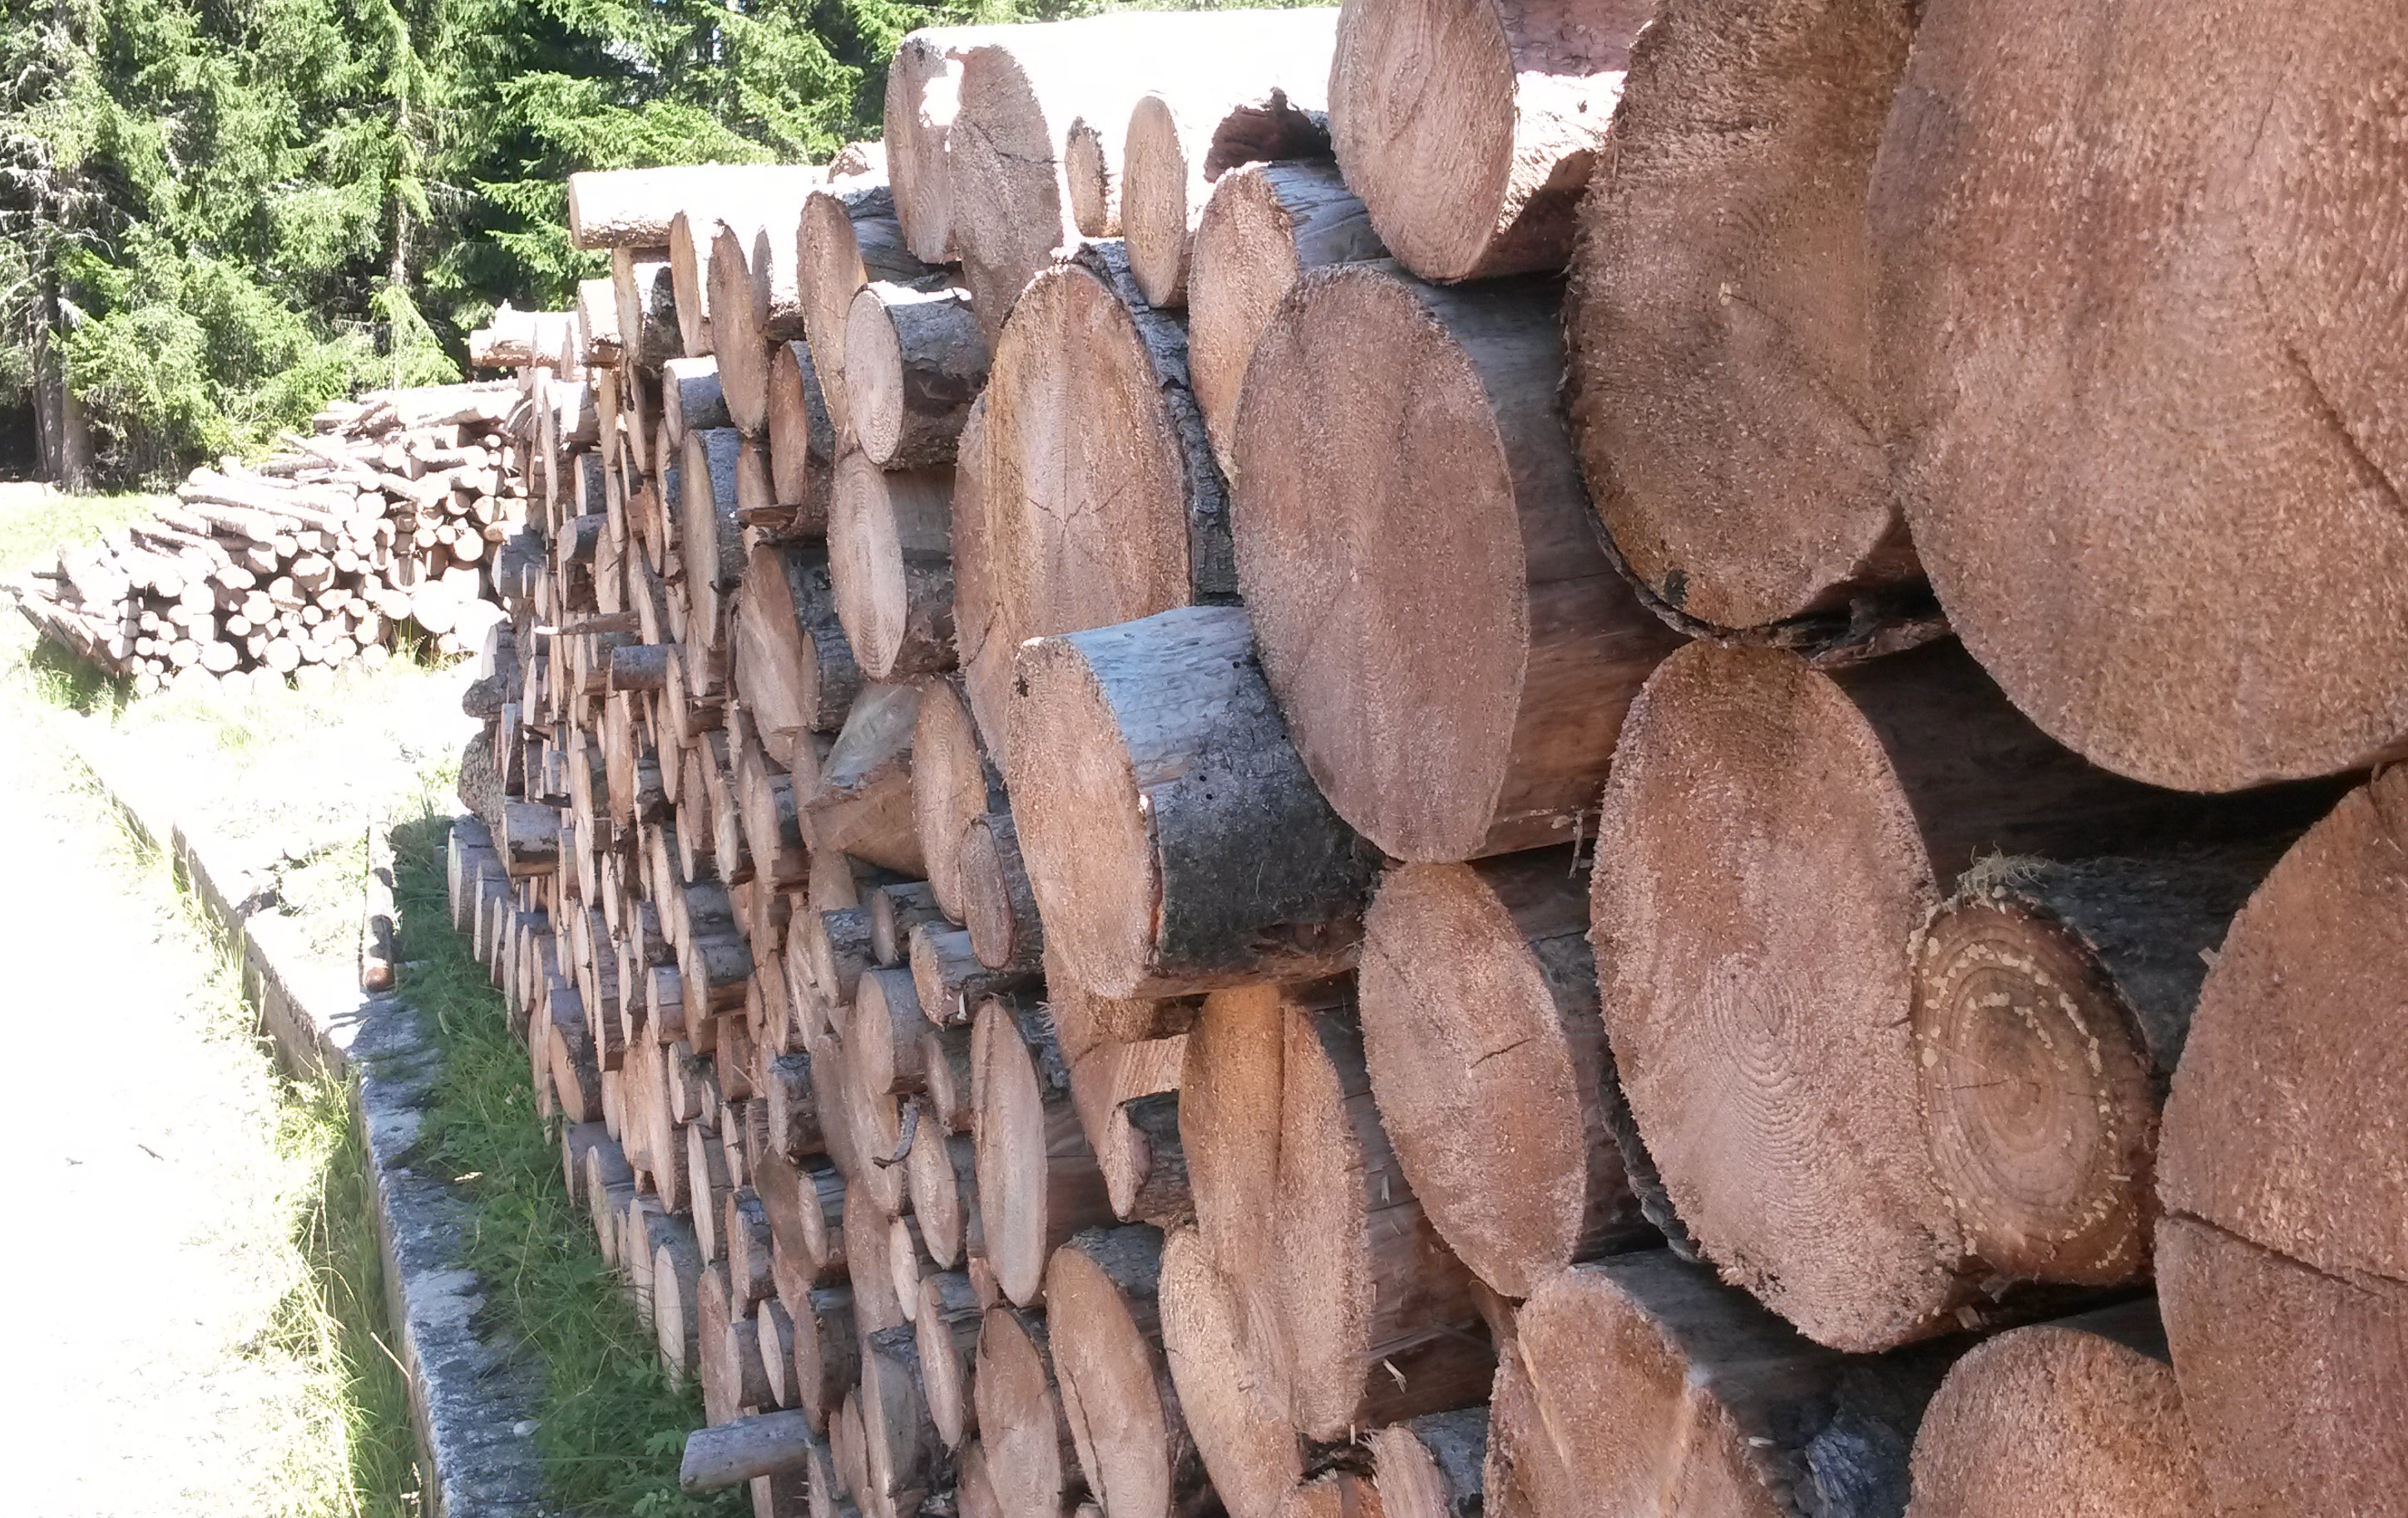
{"type": "Point", "coordinates": [36, 522]}
{"type": "Point", "coordinates": [612, 1426]}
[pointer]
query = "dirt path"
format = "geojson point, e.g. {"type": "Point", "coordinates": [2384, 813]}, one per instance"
{"type": "Point", "coordinates": [153, 1366]}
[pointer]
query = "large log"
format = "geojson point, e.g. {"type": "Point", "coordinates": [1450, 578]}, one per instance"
{"type": "Point", "coordinates": [1720, 384]}
{"type": "Point", "coordinates": [2171, 229]}
{"type": "Point", "coordinates": [914, 362]}
{"type": "Point", "coordinates": [1182, 137]}
{"type": "Point", "coordinates": [1757, 950]}
{"type": "Point", "coordinates": [1117, 1395]}
{"type": "Point", "coordinates": [1638, 1385]}
{"type": "Point", "coordinates": [1173, 837]}
{"type": "Point", "coordinates": [889, 533]}
{"type": "Point", "coordinates": [1037, 1179]}
{"type": "Point", "coordinates": [1469, 128]}
{"type": "Point", "coordinates": [1387, 425]}
{"type": "Point", "coordinates": [1486, 1050]}
{"type": "Point", "coordinates": [1265, 224]}
{"type": "Point", "coordinates": [1101, 501]}
{"type": "Point", "coordinates": [2283, 1264]}
{"type": "Point", "coordinates": [2051, 1002]}
{"type": "Point", "coordinates": [848, 238]}
{"type": "Point", "coordinates": [1028, 94]}
{"type": "Point", "coordinates": [633, 207]}
{"type": "Point", "coordinates": [923, 95]}
{"type": "Point", "coordinates": [2080, 1418]}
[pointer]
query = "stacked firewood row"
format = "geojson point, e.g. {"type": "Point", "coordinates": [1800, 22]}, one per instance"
{"type": "Point", "coordinates": [1153, 870]}
{"type": "Point", "coordinates": [383, 519]}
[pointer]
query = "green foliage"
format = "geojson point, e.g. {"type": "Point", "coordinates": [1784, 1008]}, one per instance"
{"type": "Point", "coordinates": [611, 1427]}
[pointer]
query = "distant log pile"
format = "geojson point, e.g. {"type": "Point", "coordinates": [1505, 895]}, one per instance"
{"type": "Point", "coordinates": [1134, 889]}
{"type": "Point", "coordinates": [388, 518]}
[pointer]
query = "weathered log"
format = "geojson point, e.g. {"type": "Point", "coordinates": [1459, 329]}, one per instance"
{"type": "Point", "coordinates": [948, 1321]}
{"type": "Point", "coordinates": [1471, 131]}
{"type": "Point", "coordinates": [849, 236]}
{"type": "Point", "coordinates": [1640, 1383]}
{"type": "Point", "coordinates": [1117, 1395]}
{"type": "Point", "coordinates": [1759, 947]}
{"type": "Point", "coordinates": [890, 552]}
{"type": "Point", "coordinates": [904, 1452]}
{"type": "Point", "coordinates": [764, 1444]}
{"type": "Point", "coordinates": [1180, 143]}
{"type": "Point", "coordinates": [999, 901]}
{"type": "Point", "coordinates": [1388, 424]}
{"type": "Point", "coordinates": [1127, 1097]}
{"type": "Point", "coordinates": [792, 663]}
{"type": "Point", "coordinates": [2080, 1418]}
{"type": "Point", "coordinates": [1101, 501]}
{"type": "Point", "coordinates": [2051, 1002]}
{"type": "Point", "coordinates": [1486, 1051]}
{"type": "Point", "coordinates": [1037, 1179]}
{"type": "Point", "coordinates": [914, 362]}
{"type": "Point", "coordinates": [1266, 225]}
{"type": "Point", "coordinates": [944, 1181]}
{"type": "Point", "coordinates": [1031, 1461]}
{"type": "Point", "coordinates": [1174, 839]}
{"type": "Point", "coordinates": [895, 909]}
{"type": "Point", "coordinates": [2228, 295]}
{"type": "Point", "coordinates": [828, 1353]}
{"type": "Point", "coordinates": [691, 397]}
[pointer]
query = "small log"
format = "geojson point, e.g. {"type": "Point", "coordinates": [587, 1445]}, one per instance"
{"type": "Point", "coordinates": [711, 539]}
{"type": "Point", "coordinates": [1103, 504]}
{"type": "Point", "coordinates": [1486, 1050]}
{"type": "Point", "coordinates": [999, 901]}
{"type": "Point", "coordinates": [950, 981]}
{"type": "Point", "coordinates": [792, 663]}
{"type": "Point", "coordinates": [875, 1305]}
{"type": "Point", "coordinates": [882, 1037]}
{"type": "Point", "coordinates": [802, 439]}
{"type": "Point", "coordinates": [1126, 1095]}
{"type": "Point", "coordinates": [848, 238]}
{"type": "Point", "coordinates": [828, 1353]}
{"type": "Point", "coordinates": [1431, 1467]}
{"type": "Point", "coordinates": [1266, 225]}
{"type": "Point", "coordinates": [905, 1455]}
{"type": "Point", "coordinates": [1179, 144]}
{"type": "Point", "coordinates": [764, 1444]}
{"type": "Point", "coordinates": [1513, 679]}
{"type": "Point", "coordinates": [890, 550]}
{"type": "Point", "coordinates": [691, 398]}
{"type": "Point", "coordinates": [2081, 1417]}
{"type": "Point", "coordinates": [862, 805]}
{"type": "Point", "coordinates": [943, 1182]}
{"type": "Point", "coordinates": [675, 1284]}
{"type": "Point", "coordinates": [1641, 1383]}
{"type": "Point", "coordinates": [1030, 1458]}
{"type": "Point", "coordinates": [954, 780]}
{"type": "Point", "coordinates": [915, 360]}
{"type": "Point", "coordinates": [1174, 839]}
{"type": "Point", "coordinates": [633, 207]}
{"type": "Point", "coordinates": [948, 1323]}
{"type": "Point", "coordinates": [1037, 1179]}
{"type": "Point", "coordinates": [1117, 1395]}
{"type": "Point", "coordinates": [1470, 134]}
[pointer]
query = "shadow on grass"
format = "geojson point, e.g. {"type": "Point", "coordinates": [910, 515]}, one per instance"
{"type": "Point", "coordinates": [67, 680]}
{"type": "Point", "coordinates": [612, 1426]}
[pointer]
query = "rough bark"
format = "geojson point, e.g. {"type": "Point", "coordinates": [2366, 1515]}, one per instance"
{"type": "Point", "coordinates": [1175, 841]}
{"type": "Point", "coordinates": [1386, 425]}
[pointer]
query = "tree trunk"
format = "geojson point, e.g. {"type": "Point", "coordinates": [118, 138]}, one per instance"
{"type": "Point", "coordinates": [1037, 1179]}
{"type": "Point", "coordinates": [1030, 1458]}
{"type": "Point", "coordinates": [2079, 1418]}
{"type": "Point", "coordinates": [1471, 131]}
{"type": "Point", "coordinates": [1179, 144]}
{"type": "Point", "coordinates": [1722, 381]}
{"type": "Point", "coordinates": [1117, 1395]}
{"type": "Point", "coordinates": [2230, 292]}
{"type": "Point", "coordinates": [914, 362]}
{"type": "Point", "coordinates": [1174, 839]}
{"type": "Point", "coordinates": [890, 550]}
{"type": "Point", "coordinates": [1266, 225]}
{"type": "Point", "coordinates": [1387, 425]}
{"type": "Point", "coordinates": [2051, 1002]}
{"type": "Point", "coordinates": [1487, 1052]}
{"type": "Point", "coordinates": [1759, 947]}
{"type": "Point", "coordinates": [849, 237]}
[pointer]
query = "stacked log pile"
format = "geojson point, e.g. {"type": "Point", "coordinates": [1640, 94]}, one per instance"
{"type": "Point", "coordinates": [383, 521]}
{"type": "Point", "coordinates": [1145, 878]}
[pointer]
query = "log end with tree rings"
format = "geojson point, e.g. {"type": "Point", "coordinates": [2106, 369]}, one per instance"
{"type": "Point", "coordinates": [1008, 212]}
{"type": "Point", "coordinates": [1037, 1178]}
{"type": "Point", "coordinates": [1156, 185]}
{"type": "Point", "coordinates": [846, 238]}
{"type": "Point", "coordinates": [2036, 1097]}
{"type": "Point", "coordinates": [1102, 503]}
{"type": "Point", "coordinates": [2060, 1418]}
{"type": "Point", "coordinates": [1469, 126]}
{"type": "Point", "coordinates": [999, 902]}
{"type": "Point", "coordinates": [1431, 1467]}
{"type": "Point", "coordinates": [952, 782]}
{"type": "Point", "coordinates": [923, 93]}
{"type": "Point", "coordinates": [2294, 1061]}
{"type": "Point", "coordinates": [1386, 425]}
{"type": "Point", "coordinates": [1173, 839]}
{"type": "Point", "coordinates": [1021, 1428]}
{"type": "Point", "coordinates": [2206, 362]}
{"type": "Point", "coordinates": [1642, 1384]}
{"type": "Point", "coordinates": [1721, 382]}
{"type": "Point", "coordinates": [1486, 1051]}
{"type": "Point", "coordinates": [914, 361]}
{"type": "Point", "coordinates": [889, 546]}
{"type": "Point", "coordinates": [1226, 1374]}
{"type": "Point", "coordinates": [1265, 224]}
{"type": "Point", "coordinates": [2292, 1379]}
{"type": "Point", "coordinates": [1757, 949]}
{"type": "Point", "coordinates": [738, 343]}
{"type": "Point", "coordinates": [1091, 180]}
{"type": "Point", "coordinates": [1124, 1417]}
